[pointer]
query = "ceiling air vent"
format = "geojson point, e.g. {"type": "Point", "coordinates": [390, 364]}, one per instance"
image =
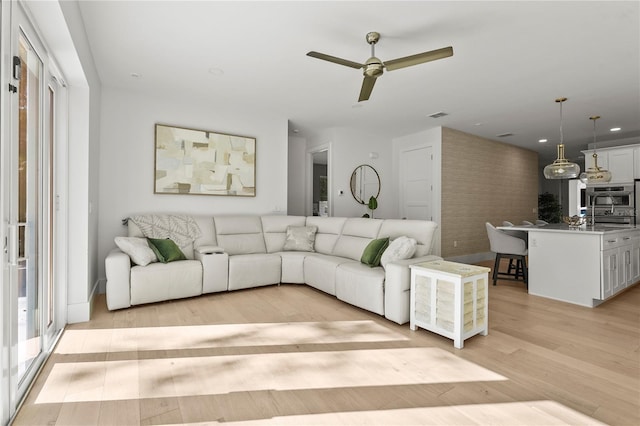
{"type": "Point", "coordinates": [504, 135]}
{"type": "Point", "coordinates": [437, 114]}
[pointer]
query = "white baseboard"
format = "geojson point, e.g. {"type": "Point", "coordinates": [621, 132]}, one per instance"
{"type": "Point", "coordinates": [81, 312]}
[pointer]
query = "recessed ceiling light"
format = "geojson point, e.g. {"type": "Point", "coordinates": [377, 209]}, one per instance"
{"type": "Point", "coordinates": [504, 135]}
{"type": "Point", "coordinates": [437, 114]}
{"type": "Point", "coordinates": [615, 129]}
{"type": "Point", "coordinates": [216, 71]}
{"type": "Point", "coordinates": [542, 140]}
{"type": "Point", "coordinates": [478, 124]}
{"type": "Point", "coordinates": [135, 75]}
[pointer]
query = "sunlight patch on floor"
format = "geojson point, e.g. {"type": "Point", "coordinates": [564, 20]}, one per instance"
{"type": "Point", "coordinates": [224, 335]}
{"type": "Point", "coordinates": [213, 375]}
{"type": "Point", "coordinates": [536, 413]}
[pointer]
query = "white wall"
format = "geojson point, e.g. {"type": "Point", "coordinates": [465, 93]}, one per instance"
{"type": "Point", "coordinates": [350, 148]}
{"type": "Point", "coordinates": [63, 31]}
{"type": "Point", "coordinates": [127, 160]}
{"type": "Point", "coordinates": [296, 176]}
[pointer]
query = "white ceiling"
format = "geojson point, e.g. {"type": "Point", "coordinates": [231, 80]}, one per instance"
{"type": "Point", "coordinates": [511, 61]}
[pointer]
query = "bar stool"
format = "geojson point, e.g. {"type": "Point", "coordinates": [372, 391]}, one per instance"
{"type": "Point", "coordinates": [510, 247]}
{"type": "Point", "coordinates": [520, 234]}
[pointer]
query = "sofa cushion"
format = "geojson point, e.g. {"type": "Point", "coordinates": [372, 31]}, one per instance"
{"type": "Point", "coordinates": [165, 281]}
{"type": "Point", "coordinates": [401, 248]}
{"type": "Point", "coordinates": [422, 230]}
{"type": "Point", "coordinates": [320, 271]}
{"type": "Point", "coordinates": [293, 266]}
{"type": "Point", "coordinates": [275, 230]}
{"type": "Point", "coordinates": [253, 270]}
{"type": "Point", "coordinates": [166, 249]}
{"type": "Point", "coordinates": [361, 286]}
{"type": "Point", "coordinates": [208, 231]}
{"type": "Point", "coordinates": [137, 249]}
{"type": "Point", "coordinates": [373, 252]}
{"type": "Point", "coordinates": [240, 234]}
{"type": "Point", "coordinates": [329, 228]}
{"type": "Point", "coordinates": [300, 238]}
{"type": "Point", "coordinates": [356, 235]}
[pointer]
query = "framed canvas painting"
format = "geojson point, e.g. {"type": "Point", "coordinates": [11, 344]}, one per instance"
{"type": "Point", "coordinates": [201, 162]}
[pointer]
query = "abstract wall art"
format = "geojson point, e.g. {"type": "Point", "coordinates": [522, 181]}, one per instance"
{"type": "Point", "coordinates": [201, 162]}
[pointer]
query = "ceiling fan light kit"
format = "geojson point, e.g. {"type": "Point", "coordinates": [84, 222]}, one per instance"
{"type": "Point", "coordinates": [561, 168]}
{"type": "Point", "coordinates": [374, 67]}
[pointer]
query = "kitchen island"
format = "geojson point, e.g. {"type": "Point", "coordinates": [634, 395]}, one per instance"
{"type": "Point", "coordinates": [585, 265]}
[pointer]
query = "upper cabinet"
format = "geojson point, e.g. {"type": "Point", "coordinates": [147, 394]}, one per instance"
{"type": "Point", "coordinates": [621, 165]}
{"type": "Point", "coordinates": [623, 162]}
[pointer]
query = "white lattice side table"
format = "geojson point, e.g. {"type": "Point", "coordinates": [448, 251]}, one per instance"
{"type": "Point", "coordinates": [450, 299]}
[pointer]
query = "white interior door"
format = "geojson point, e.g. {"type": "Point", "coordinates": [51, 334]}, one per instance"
{"type": "Point", "coordinates": [416, 183]}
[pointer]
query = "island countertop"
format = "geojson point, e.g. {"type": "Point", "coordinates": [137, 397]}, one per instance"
{"type": "Point", "coordinates": [563, 227]}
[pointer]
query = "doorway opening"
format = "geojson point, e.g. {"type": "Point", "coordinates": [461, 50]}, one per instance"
{"type": "Point", "coordinates": [319, 182]}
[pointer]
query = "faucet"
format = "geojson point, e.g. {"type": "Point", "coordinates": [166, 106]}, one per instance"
{"type": "Point", "coordinates": [593, 209]}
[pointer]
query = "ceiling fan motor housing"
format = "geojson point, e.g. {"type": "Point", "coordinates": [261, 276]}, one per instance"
{"type": "Point", "coordinates": [373, 67]}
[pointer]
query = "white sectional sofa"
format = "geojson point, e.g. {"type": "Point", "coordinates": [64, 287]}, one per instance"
{"type": "Point", "coordinates": [238, 252]}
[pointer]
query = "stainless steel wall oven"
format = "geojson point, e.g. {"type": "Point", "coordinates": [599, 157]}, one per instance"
{"type": "Point", "coordinates": [611, 204]}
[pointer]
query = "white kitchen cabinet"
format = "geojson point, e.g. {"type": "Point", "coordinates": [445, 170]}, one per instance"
{"type": "Point", "coordinates": [610, 276]}
{"type": "Point", "coordinates": [635, 259]}
{"type": "Point", "coordinates": [620, 262]}
{"type": "Point", "coordinates": [623, 162]}
{"type": "Point", "coordinates": [620, 163]}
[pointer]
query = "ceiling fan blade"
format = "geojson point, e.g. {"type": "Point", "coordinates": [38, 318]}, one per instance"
{"type": "Point", "coordinates": [420, 58]}
{"type": "Point", "coordinates": [367, 87]}
{"type": "Point", "coordinates": [335, 60]}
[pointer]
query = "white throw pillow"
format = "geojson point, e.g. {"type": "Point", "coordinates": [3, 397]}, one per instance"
{"type": "Point", "coordinates": [399, 249]}
{"type": "Point", "coordinates": [300, 238]}
{"type": "Point", "coordinates": [138, 250]}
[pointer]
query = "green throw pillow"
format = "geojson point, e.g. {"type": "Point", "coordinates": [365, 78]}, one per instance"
{"type": "Point", "coordinates": [373, 252]}
{"type": "Point", "coordinates": [166, 250]}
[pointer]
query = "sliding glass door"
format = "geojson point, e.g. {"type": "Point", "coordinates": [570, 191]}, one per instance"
{"type": "Point", "coordinates": [28, 208]}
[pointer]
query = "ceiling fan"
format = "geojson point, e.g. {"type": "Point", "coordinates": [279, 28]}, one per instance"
{"type": "Point", "coordinates": [374, 67]}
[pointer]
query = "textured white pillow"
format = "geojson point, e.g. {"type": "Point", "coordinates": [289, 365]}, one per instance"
{"type": "Point", "coordinates": [399, 249]}
{"type": "Point", "coordinates": [300, 238]}
{"type": "Point", "coordinates": [138, 250]}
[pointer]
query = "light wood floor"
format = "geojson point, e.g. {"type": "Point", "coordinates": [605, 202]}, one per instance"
{"type": "Point", "coordinates": [292, 355]}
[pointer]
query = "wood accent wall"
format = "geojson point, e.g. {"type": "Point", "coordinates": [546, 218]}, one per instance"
{"type": "Point", "coordinates": [483, 181]}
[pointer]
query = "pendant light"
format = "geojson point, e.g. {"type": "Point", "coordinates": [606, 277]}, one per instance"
{"type": "Point", "coordinates": [561, 168]}
{"type": "Point", "coordinates": [595, 174]}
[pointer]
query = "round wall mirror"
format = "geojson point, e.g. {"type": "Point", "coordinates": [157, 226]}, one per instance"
{"type": "Point", "coordinates": [365, 183]}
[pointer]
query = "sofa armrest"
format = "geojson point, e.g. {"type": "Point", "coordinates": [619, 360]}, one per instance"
{"type": "Point", "coordinates": [215, 270]}
{"type": "Point", "coordinates": [397, 286]}
{"type": "Point", "coordinates": [118, 270]}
